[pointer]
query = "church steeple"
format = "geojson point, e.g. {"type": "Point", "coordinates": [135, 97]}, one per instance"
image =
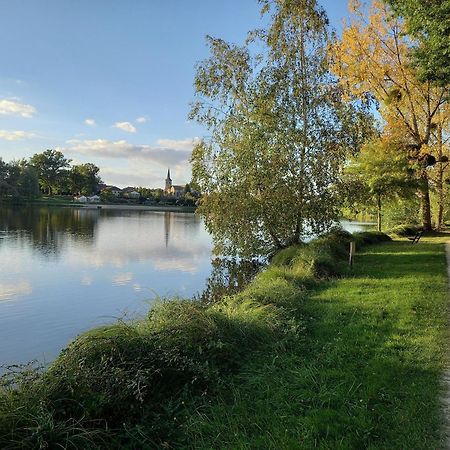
{"type": "Point", "coordinates": [168, 182]}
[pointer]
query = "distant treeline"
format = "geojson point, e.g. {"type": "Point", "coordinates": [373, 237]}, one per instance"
{"type": "Point", "coordinates": [48, 173]}
{"type": "Point", "coordinates": [51, 173]}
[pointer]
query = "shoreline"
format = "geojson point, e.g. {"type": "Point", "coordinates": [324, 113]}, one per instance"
{"type": "Point", "coordinates": [168, 208]}
{"type": "Point", "coordinates": [99, 206]}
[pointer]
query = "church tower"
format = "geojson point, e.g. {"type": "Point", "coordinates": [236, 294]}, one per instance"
{"type": "Point", "coordinates": [168, 182]}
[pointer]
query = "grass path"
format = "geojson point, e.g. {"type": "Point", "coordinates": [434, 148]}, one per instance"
{"type": "Point", "coordinates": [365, 373]}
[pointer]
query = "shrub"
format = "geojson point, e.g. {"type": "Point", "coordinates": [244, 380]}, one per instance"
{"type": "Point", "coordinates": [370, 237]}
{"type": "Point", "coordinates": [405, 230]}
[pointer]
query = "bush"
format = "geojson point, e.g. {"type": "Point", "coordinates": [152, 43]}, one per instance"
{"type": "Point", "coordinates": [370, 237]}
{"type": "Point", "coordinates": [405, 230]}
{"type": "Point", "coordinates": [336, 243]}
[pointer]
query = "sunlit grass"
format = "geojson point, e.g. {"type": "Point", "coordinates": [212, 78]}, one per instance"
{"type": "Point", "coordinates": [365, 374]}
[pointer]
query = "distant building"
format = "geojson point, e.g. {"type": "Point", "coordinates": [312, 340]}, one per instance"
{"type": "Point", "coordinates": [134, 194]}
{"type": "Point", "coordinates": [93, 199]}
{"type": "Point", "coordinates": [81, 199]}
{"type": "Point", "coordinates": [130, 192]}
{"type": "Point", "coordinates": [172, 190]}
{"type": "Point", "coordinates": [117, 192]}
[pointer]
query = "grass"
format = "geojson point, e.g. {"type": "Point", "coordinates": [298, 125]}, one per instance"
{"type": "Point", "coordinates": [365, 374]}
{"type": "Point", "coordinates": [309, 355]}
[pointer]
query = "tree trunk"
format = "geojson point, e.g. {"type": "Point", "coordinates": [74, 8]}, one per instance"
{"type": "Point", "coordinates": [425, 201]}
{"type": "Point", "coordinates": [440, 197]}
{"type": "Point", "coordinates": [440, 182]}
{"type": "Point", "coordinates": [379, 211]}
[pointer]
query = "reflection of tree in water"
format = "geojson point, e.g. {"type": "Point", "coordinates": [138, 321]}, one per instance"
{"type": "Point", "coordinates": [48, 229]}
{"type": "Point", "coordinates": [228, 276]}
{"type": "Point", "coordinates": [167, 222]}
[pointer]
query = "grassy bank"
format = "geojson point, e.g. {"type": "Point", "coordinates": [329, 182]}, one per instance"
{"type": "Point", "coordinates": [310, 355]}
{"type": "Point", "coordinates": [365, 373]}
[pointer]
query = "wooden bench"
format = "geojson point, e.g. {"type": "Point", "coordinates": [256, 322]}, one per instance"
{"type": "Point", "coordinates": [415, 239]}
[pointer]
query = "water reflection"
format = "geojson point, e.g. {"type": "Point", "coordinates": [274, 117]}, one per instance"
{"type": "Point", "coordinates": [11, 291]}
{"type": "Point", "coordinates": [47, 229]}
{"type": "Point", "coordinates": [66, 270]}
{"type": "Point", "coordinates": [75, 268]}
{"type": "Point", "coordinates": [167, 218]}
{"type": "Point", "coordinates": [228, 276]}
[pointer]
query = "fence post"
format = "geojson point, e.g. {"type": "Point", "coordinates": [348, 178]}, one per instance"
{"type": "Point", "coordinates": [352, 253]}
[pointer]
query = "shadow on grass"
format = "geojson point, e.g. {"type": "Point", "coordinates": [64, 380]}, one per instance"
{"type": "Point", "coordinates": [365, 373]}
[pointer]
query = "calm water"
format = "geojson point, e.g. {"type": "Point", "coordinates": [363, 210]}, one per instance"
{"type": "Point", "coordinates": [64, 270]}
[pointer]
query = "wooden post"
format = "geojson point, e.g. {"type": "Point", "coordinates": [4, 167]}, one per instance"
{"type": "Point", "coordinates": [352, 253]}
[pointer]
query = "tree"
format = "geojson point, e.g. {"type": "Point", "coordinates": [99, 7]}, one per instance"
{"type": "Point", "coordinates": [266, 171]}
{"type": "Point", "coordinates": [106, 195]}
{"type": "Point", "coordinates": [440, 170]}
{"type": "Point", "coordinates": [373, 58]}
{"type": "Point", "coordinates": [9, 178]}
{"type": "Point", "coordinates": [379, 173]}
{"type": "Point", "coordinates": [49, 166]}
{"type": "Point", "coordinates": [84, 179]}
{"type": "Point", "coordinates": [17, 178]}
{"type": "Point", "coordinates": [5, 187]}
{"type": "Point", "coordinates": [428, 22]}
{"type": "Point", "coordinates": [28, 183]}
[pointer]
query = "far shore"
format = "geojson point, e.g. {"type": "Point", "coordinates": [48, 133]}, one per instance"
{"type": "Point", "coordinates": [170, 208]}
{"type": "Point", "coordinates": [71, 204]}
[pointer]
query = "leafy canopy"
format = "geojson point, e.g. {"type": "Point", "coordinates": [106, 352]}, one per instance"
{"type": "Point", "coordinates": [428, 22]}
{"type": "Point", "coordinates": [276, 138]}
{"type": "Point", "coordinates": [50, 167]}
{"type": "Point", "coordinates": [374, 58]}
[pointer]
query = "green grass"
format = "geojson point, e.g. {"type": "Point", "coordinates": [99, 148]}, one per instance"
{"type": "Point", "coordinates": [64, 200]}
{"type": "Point", "coordinates": [366, 374]}
{"type": "Point", "coordinates": [309, 355]}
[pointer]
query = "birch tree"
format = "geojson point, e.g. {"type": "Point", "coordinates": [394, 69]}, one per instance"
{"type": "Point", "coordinates": [276, 141]}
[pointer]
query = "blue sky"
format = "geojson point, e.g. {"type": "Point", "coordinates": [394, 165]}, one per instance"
{"type": "Point", "coordinates": [110, 81]}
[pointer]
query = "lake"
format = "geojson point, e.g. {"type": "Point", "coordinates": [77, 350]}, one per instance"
{"type": "Point", "coordinates": [66, 270]}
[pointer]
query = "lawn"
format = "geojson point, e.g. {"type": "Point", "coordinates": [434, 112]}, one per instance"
{"type": "Point", "coordinates": [365, 372]}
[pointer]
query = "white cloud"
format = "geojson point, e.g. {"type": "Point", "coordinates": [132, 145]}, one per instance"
{"type": "Point", "coordinates": [125, 126]}
{"type": "Point", "coordinates": [167, 153]}
{"type": "Point", "coordinates": [12, 108]}
{"type": "Point", "coordinates": [15, 135]}
{"type": "Point", "coordinates": [138, 175]}
{"type": "Point", "coordinates": [141, 120]}
{"type": "Point", "coordinates": [90, 122]}
{"type": "Point", "coordinates": [125, 164]}
{"type": "Point", "coordinates": [183, 144]}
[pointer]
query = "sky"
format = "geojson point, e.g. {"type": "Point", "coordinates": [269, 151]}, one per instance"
{"type": "Point", "coordinates": [110, 81]}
